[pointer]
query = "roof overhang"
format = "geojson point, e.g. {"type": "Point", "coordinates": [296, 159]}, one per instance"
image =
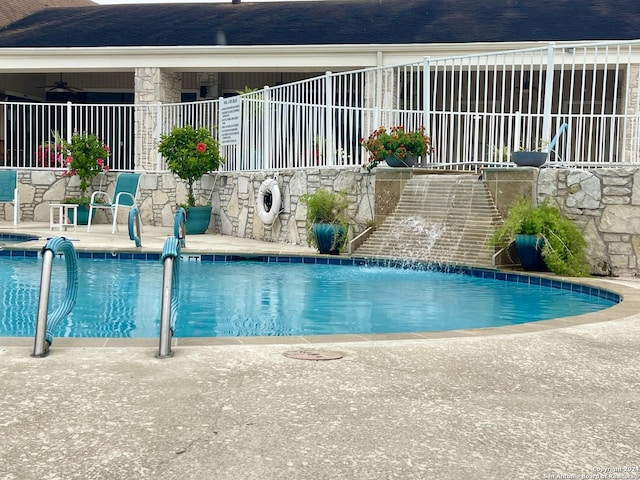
{"type": "Point", "coordinates": [307, 58]}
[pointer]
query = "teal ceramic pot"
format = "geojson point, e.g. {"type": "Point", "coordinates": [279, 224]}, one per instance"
{"type": "Point", "coordinates": [83, 215]}
{"type": "Point", "coordinates": [328, 237]}
{"type": "Point", "coordinates": [529, 248]}
{"type": "Point", "coordinates": [198, 219]}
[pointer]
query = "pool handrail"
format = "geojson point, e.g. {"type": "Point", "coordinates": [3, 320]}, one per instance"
{"type": "Point", "coordinates": [134, 219]}
{"type": "Point", "coordinates": [170, 289]}
{"type": "Point", "coordinates": [45, 324]}
{"type": "Point", "coordinates": [179, 226]}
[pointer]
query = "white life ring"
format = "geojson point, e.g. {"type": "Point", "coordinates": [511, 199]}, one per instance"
{"type": "Point", "coordinates": [269, 213]}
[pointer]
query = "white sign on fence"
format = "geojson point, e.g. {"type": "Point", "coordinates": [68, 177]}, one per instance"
{"type": "Point", "coordinates": [229, 121]}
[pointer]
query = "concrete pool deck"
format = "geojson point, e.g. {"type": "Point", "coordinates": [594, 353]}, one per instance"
{"type": "Point", "coordinates": [554, 400]}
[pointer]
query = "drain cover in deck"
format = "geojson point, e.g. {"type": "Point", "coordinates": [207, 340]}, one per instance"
{"type": "Point", "coordinates": [313, 355]}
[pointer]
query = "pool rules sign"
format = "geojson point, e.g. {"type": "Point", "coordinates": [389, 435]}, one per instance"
{"type": "Point", "coordinates": [229, 121]}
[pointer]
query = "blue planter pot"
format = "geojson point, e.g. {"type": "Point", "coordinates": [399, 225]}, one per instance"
{"type": "Point", "coordinates": [529, 248]}
{"type": "Point", "coordinates": [405, 162]}
{"type": "Point", "coordinates": [329, 237]}
{"type": "Point", "coordinates": [198, 219]}
{"type": "Point", "coordinates": [83, 215]}
{"type": "Point", "coordinates": [529, 159]}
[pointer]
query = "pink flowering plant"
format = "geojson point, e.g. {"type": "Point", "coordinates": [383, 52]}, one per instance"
{"type": "Point", "coordinates": [49, 155]}
{"type": "Point", "coordinates": [190, 153]}
{"type": "Point", "coordinates": [395, 142]}
{"type": "Point", "coordinates": [85, 156]}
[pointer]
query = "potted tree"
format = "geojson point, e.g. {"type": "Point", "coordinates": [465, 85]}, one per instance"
{"type": "Point", "coordinates": [84, 156]}
{"type": "Point", "coordinates": [326, 221]}
{"type": "Point", "coordinates": [190, 153]}
{"type": "Point", "coordinates": [544, 239]}
{"type": "Point", "coordinates": [397, 147]}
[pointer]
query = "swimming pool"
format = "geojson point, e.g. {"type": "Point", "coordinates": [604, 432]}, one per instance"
{"type": "Point", "coordinates": [278, 296]}
{"type": "Point", "coordinates": [11, 238]}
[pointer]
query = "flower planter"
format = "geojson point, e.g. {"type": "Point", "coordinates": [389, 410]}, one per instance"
{"type": "Point", "coordinates": [529, 248]}
{"type": "Point", "coordinates": [198, 219]}
{"type": "Point", "coordinates": [328, 237]}
{"type": "Point", "coordinates": [529, 159]}
{"type": "Point", "coordinates": [83, 215]}
{"type": "Point", "coordinates": [404, 162]}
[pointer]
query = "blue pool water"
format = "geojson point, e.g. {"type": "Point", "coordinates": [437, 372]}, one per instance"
{"type": "Point", "coordinates": [121, 298]}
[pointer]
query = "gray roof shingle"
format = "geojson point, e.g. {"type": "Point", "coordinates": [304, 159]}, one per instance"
{"type": "Point", "coordinates": [12, 10]}
{"type": "Point", "coordinates": [327, 22]}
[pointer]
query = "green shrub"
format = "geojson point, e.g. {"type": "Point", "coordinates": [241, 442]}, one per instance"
{"type": "Point", "coordinates": [326, 207]}
{"type": "Point", "coordinates": [563, 243]}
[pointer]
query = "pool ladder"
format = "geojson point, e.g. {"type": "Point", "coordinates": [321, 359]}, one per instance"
{"type": "Point", "coordinates": [45, 324]}
{"type": "Point", "coordinates": [134, 226]}
{"type": "Point", "coordinates": [170, 284]}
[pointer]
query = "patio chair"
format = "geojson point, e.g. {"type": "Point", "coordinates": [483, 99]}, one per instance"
{"type": "Point", "coordinates": [124, 196]}
{"type": "Point", "coordinates": [9, 192]}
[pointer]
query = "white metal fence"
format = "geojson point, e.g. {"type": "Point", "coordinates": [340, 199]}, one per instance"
{"type": "Point", "coordinates": [28, 127]}
{"type": "Point", "coordinates": [477, 108]}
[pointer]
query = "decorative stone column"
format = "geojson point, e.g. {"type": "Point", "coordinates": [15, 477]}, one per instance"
{"type": "Point", "coordinates": [631, 150]}
{"type": "Point", "coordinates": [152, 87]}
{"type": "Point", "coordinates": [380, 96]}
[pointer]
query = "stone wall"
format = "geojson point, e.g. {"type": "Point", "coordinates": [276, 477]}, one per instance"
{"type": "Point", "coordinates": [233, 196]}
{"type": "Point", "coordinates": [605, 204]}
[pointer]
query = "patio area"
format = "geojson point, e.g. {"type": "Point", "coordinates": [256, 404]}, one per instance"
{"type": "Point", "coordinates": [505, 406]}
{"type": "Point", "coordinates": [538, 401]}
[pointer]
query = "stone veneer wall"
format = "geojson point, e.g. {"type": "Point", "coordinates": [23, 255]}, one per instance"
{"type": "Point", "coordinates": [604, 203]}
{"type": "Point", "coordinates": [233, 196]}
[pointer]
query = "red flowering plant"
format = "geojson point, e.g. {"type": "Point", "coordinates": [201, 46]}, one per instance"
{"type": "Point", "coordinates": [396, 142]}
{"type": "Point", "coordinates": [190, 153]}
{"type": "Point", "coordinates": [49, 154]}
{"type": "Point", "coordinates": [85, 156]}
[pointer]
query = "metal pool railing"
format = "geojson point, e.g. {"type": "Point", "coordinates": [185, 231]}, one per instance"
{"type": "Point", "coordinates": [170, 291]}
{"type": "Point", "coordinates": [45, 323]}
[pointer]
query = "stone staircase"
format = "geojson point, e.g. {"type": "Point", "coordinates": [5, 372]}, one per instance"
{"type": "Point", "coordinates": [444, 219]}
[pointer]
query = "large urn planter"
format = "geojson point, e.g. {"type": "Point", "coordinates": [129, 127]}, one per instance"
{"type": "Point", "coordinates": [198, 219]}
{"type": "Point", "coordinates": [529, 159]}
{"type": "Point", "coordinates": [329, 237]}
{"type": "Point", "coordinates": [529, 248]}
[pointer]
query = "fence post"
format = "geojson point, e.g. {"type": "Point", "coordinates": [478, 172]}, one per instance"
{"type": "Point", "coordinates": [69, 121]}
{"type": "Point", "coordinates": [548, 94]}
{"type": "Point", "coordinates": [266, 136]}
{"type": "Point", "coordinates": [426, 101]}
{"type": "Point", "coordinates": [329, 149]}
{"type": "Point", "coordinates": [157, 133]}
{"type": "Point", "coordinates": [516, 131]}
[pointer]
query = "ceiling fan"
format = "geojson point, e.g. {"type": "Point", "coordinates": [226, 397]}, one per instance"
{"type": "Point", "coordinates": [61, 87]}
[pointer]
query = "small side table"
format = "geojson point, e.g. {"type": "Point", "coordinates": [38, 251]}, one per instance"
{"type": "Point", "coordinates": [62, 211]}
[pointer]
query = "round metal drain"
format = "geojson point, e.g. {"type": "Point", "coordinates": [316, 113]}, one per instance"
{"type": "Point", "coordinates": [313, 355]}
